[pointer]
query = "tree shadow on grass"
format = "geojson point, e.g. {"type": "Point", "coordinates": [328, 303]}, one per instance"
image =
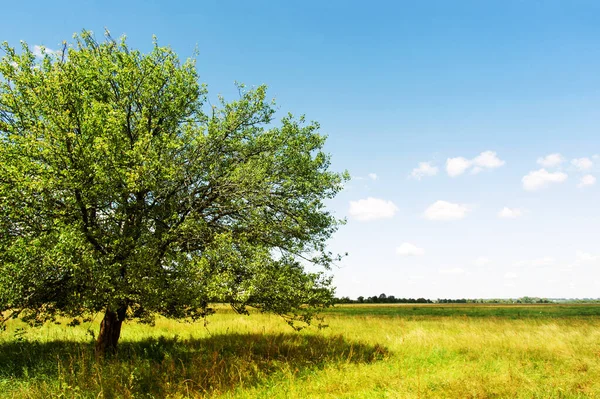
{"type": "Point", "coordinates": [167, 366]}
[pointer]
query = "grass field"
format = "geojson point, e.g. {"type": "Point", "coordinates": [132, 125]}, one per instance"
{"type": "Point", "coordinates": [368, 351]}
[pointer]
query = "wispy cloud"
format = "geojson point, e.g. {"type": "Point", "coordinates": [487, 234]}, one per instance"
{"type": "Point", "coordinates": [539, 179]}
{"type": "Point", "coordinates": [408, 249]}
{"type": "Point", "coordinates": [510, 213]}
{"type": "Point", "coordinates": [486, 160]}
{"type": "Point", "coordinates": [551, 160]}
{"type": "Point", "coordinates": [40, 51]}
{"type": "Point", "coordinates": [482, 261]}
{"type": "Point", "coordinates": [583, 164]}
{"type": "Point", "coordinates": [582, 256]}
{"type": "Point", "coordinates": [457, 166]}
{"type": "Point", "coordinates": [446, 211]}
{"type": "Point", "coordinates": [587, 180]}
{"type": "Point", "coordinates": [424, 169]}
{"type": "Point", "coordinates": [538, 262]}
{"type": "Point", "coordinates": [371, 208]}
{"type": "Point", "coordinates": [370, 176]}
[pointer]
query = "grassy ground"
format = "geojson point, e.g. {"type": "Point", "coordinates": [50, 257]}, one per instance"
{"type": "Point", "coordinates": [376, 351]}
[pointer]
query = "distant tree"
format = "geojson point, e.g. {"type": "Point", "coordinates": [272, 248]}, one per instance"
{"type": "Point", "coordinates": [122, 192]}
{"type": "Point", "coordinates": [360, 299]}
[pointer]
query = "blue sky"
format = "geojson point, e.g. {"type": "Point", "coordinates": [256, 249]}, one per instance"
{"type": "Point", "coordinates": [476, 93]}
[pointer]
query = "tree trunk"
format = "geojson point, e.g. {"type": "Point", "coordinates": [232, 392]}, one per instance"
{"type": "Point", "coordinates": [110, 331]}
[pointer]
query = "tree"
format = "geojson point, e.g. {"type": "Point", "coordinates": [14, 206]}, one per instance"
{"type": "Point", "coordinates": [123, 192]}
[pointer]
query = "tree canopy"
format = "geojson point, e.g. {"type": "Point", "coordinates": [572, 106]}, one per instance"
{"type": "Point", "coordinates": [124, 191]}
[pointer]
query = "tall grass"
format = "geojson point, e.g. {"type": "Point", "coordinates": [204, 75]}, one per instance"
{"type": "Point", "coordinates": [360, 355]}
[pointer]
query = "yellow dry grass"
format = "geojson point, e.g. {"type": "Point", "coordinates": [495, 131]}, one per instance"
{"type": "Point", "coordinates": [358, 356]}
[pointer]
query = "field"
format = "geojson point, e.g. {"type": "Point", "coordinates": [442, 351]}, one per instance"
{"type": "Point", "coordinates": [368, 351]}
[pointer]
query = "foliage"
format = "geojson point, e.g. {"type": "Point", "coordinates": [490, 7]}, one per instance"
{"type": "Point", "coordinates": [121, 188]}
{"type": "Point", "coordinates": [383, 298]}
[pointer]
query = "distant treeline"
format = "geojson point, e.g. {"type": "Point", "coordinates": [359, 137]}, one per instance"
{"type": "Point", "coordinates": [383, 298]}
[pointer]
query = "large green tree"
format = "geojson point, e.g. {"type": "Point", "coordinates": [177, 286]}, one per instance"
{"type": "Point", "coordinates": [123, 191]}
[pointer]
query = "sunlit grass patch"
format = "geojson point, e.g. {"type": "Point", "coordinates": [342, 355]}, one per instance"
{"type": "Point", "coordinates": [366, 355]}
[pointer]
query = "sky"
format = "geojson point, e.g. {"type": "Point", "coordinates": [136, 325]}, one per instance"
{"type": "Point", "coordinates": [470, 128]}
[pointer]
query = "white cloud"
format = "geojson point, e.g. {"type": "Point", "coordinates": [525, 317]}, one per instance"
{"type": "Point", "coordinates": [482, 261]}
{"type": "Point", "coordinates": [408, 249]}
{"type": "Point", "coordinates": [545, 261]}
{"type": "Point", "coordinates": [424, 169]}
{"type": "Point", "coordinates": [453, 270]}
{"type": "Point", "coordinates": [510, 275]}
{"type": "Point", "coordinates": [582, 164]}
{"type": "Point", "coordinates": [538, 179]}
{"type": "Point", "coordinates": [371, 176]}
{"type": "Point", "coordinates": [457, 166]}
{"type": "Point", "coordinates": [486, 160]}
{"type": "Point", "coordinates": [372, 209]}
{"type": "Point", "coordinates": [539, 262]}
{"type": "Point", "coordinates": [443, 210]}
{"type": "Point", "coordinates": [508, 213]}
{"type": "Point", "coordinates": [551, 160]}
{"type": "Point", "coordinates": [40, 51]}
{"type": "Point", "coordinates": [586, 257]}
{"type": "Point", "coordinates": [587, 180]}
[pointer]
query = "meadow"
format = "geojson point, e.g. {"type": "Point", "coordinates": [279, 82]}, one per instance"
{"type": "Point", "coordinates": [367, 351]}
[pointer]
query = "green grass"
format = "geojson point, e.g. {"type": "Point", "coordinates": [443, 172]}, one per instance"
{"type": "Point", "coordinates": [368, 351]}
{"type": "Point", "coordinates": [469, 310]}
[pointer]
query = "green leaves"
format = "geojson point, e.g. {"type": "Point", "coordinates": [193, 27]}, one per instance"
{"type": "Point", "coordinates": [117, 189]}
